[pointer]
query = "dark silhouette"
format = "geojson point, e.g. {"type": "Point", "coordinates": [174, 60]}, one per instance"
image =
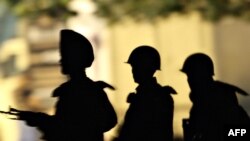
{"type": "Point", "coordinates": [215, 104]}
{"type": "Point", "coordinates": [150, 114]}
{"type": "Point", "coordinates": [83, 111]}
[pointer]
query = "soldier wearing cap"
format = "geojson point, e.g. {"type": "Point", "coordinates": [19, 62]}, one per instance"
{"type": "Point", "coordinates": [215, 104]}
{"type": "Point", "coordinates": [150, 114]}
{"type": "Point", "coordinates": [83, 110]}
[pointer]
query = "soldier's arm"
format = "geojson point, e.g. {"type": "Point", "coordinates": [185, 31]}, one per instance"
{"type": "Point", "coordinates": [35, 119]}
{"type": "Point", "coordinates": [41, 120]}
{"type": "Point", "coordinates": [164, 115]}
{"type": "Point", "coordinates": [165, 118]}
{"type": "Point", "coordinates": [108, 114]}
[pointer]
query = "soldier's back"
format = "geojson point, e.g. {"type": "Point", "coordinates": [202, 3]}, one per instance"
{"type": "Point", "coordinates": [215, 107]}
{"type": "Point", "coordinates": [150, 115]}
{"type": "Point", "coordinates": [229, 109]}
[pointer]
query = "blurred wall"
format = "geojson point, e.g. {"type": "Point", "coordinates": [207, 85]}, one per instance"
{"type": "Point", "coordinates": [14, 61]}
{"type": "Point", "coordinates": [232, 48]}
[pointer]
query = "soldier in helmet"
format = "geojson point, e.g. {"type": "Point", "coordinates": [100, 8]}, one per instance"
{"type": "Point", "coordinates": [215, 104]}
{"type": "Point", "coordinates": [83, 111]}
{"type": "Point", "coordinates": [150, 114]}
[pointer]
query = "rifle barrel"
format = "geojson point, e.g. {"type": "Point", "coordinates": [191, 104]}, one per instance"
{"type": "Point", "coordinates": [8, 113]}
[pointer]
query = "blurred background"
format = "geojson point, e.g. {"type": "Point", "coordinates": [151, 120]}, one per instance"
{"type": "Point", "coordinates": [29, 35]}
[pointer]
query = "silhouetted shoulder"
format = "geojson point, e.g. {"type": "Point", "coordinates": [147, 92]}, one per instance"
{"type": "Point", "coordinates": [61, 89]}
{"type": "Point", "coordinates": [103, 85]}
{"type": "Point", "coordinates": [131, 98]}
{"type": "Point", "coordinates": [230, 87]}
{"type": "Point", "coordinates": [168, 89]}
{"type": "Point", "coordinates": [163, 98]}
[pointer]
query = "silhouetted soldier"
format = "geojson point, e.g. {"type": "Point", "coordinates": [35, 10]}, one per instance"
{"type": "Point", "coordinates": [150, 114]}
{"type": "Point", "coordinates": [83, 111]}
{"type": "Point", "coordinates": [215, 104]}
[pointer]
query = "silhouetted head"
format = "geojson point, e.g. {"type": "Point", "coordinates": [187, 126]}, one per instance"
{"type": "Point", "coordinates": [76, 52]}
{"type": "Point", "coordinates": [199, 69]}
{"type": "Point", "coordinates": [145, 60]}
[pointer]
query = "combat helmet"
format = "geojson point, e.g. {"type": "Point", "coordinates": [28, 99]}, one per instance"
{"type": "Point", "coordinates": [198, 63]}
{"type": "Point", "coordinates": [75, 48]}
{"type": "Point", "coordinates": [145, 56]}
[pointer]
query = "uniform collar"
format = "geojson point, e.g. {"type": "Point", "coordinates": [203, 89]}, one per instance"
{"type": "Point", "coordinates": [147, 85]}
{"type": "Point", "coordinates": [83, 78]}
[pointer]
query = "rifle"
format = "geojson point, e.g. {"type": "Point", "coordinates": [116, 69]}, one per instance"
{"type": "Point", "coordinates": [33, 119]}
{"type": "Point", "coordinates": [12, 112]}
